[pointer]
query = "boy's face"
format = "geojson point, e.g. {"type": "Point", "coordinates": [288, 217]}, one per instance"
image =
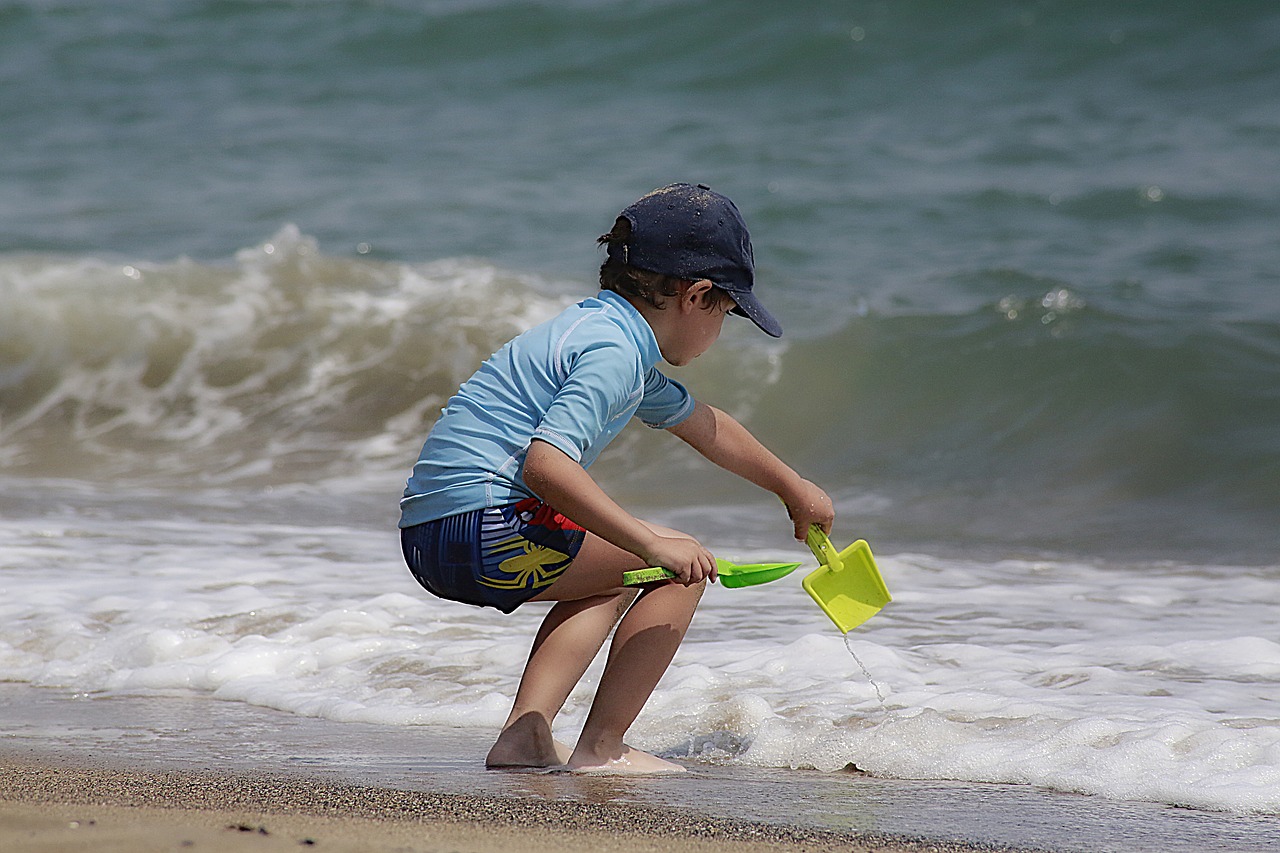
{"type": "Point", "coordinates": [699, 319]}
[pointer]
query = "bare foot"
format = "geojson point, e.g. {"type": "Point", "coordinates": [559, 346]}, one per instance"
{"type": "Point", "coordinates": [631, 761]}
{"type": "Point", "coordinates": [527, 743]}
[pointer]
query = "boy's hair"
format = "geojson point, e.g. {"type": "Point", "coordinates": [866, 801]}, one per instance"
{"type": "Point", "coordinates": [626, 280]}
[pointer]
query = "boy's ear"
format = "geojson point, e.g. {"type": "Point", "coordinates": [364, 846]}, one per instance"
{"type": "Point", "coordinates": [696, 292]}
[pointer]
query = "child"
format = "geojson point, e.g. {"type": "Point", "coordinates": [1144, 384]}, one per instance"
{"type": "Point", "coordinates": [500, 509]}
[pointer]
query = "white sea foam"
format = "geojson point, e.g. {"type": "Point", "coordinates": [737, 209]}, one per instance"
{"type": "Point", "coordinates": [1141, 682]}
{"type": "Point", "coordinates": [284, 359]}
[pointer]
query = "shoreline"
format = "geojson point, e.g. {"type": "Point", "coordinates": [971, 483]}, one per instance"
{"type": "Point", "coordinates": [134, 774]}
{"type": "Point", "coordinates": [140, 773]}
{"type": "Point", "coordinates": [56, 803]}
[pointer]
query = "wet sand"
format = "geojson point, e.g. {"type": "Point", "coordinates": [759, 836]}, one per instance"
{"type": "Point", "coordinates": [53, 805]}
{"type": "Point", "coordinates": [136, 774]}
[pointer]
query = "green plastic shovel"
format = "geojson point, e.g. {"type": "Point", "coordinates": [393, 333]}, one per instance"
{"type": "Point", "coordinates": [847, 585]}
{"type": "Point", "coordinates": [732, 575]}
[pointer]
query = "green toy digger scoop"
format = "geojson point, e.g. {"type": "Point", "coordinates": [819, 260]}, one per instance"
{"type": "Point", "coordinates": [847, 585]}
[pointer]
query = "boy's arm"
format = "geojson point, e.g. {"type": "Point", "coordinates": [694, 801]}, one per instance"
{"type": "Point", "coordinates": [564, 484]}
{"type": "Point", "coordinates": [720, 438]}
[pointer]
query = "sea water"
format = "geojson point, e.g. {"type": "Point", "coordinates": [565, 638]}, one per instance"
{"type": "Point", "coordinates": [1133, 681]}
{"type": "Point", "coordinates": [1025, 257]}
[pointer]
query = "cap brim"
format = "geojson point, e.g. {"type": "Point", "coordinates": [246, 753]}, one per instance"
{"type": "Point", "coordinates": [749, 306]}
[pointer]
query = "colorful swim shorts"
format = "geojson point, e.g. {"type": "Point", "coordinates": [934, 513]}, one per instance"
{"type": "Point", "coordinates": [498, 557]}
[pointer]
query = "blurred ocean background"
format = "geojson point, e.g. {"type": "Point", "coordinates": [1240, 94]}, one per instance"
{"type": "Point", "coordinates": [1027, 256]}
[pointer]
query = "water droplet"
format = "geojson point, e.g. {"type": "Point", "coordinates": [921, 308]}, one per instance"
{"type": "Point", "coordinates": [1010, 307]}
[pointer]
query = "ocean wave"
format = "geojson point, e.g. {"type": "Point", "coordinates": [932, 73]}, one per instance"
{"type": "Point", "coordinates": [1047, 420]}
{"type": "Point", "coordinates": [281, 364]}
{"type": "Point", "coordinates": [1023, 410]}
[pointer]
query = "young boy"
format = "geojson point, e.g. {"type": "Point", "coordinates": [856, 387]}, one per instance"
{"type": "Point", "coordinates": [500, 509]}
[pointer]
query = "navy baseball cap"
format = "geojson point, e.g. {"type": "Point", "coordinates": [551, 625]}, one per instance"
{"type": "Point", "coordinates": [692, 232]}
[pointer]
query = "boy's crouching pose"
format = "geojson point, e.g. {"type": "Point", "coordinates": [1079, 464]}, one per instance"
{"type": "Point", "coordinates": [500, 508]}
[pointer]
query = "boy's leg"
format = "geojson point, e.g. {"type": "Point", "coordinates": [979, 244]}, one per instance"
{"type": "Point", "coordinates": [590, 599]}
{"type": "Point", "coordinates": [643, 646]}
{"type": "Point", "coordinates": [570, 637]}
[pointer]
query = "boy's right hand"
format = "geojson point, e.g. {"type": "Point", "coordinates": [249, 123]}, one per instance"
{"type": "Point", "coordinates": [683, 555]}
{"type": "Point", "coordinates": [807, 505]}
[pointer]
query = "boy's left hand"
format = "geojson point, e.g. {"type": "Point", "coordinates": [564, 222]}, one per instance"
{"type": "Point", "coordinates": [685, 556]}
{"type": "Point", "coordinates": [809, 505]}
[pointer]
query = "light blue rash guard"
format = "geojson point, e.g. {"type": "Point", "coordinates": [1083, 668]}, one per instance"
{"type": "Point", "coordinates": [573, 381]}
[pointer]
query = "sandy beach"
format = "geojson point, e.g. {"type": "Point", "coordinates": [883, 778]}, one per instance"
{"type": "Point", "coordinates": [142, 774]}
{"type": "Point", "coordinates": [53, 805]}
{"type": "Point", "coordinates": [182, 773]}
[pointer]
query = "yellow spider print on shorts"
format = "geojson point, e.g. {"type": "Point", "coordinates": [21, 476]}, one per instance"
{"type": "Point", "coordinates": [533, 567]}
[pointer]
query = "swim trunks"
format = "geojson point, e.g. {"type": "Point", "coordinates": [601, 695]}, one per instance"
{"type": "Point", "coordinates": [497, 557]}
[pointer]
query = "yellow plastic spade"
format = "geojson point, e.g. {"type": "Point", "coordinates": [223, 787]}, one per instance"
{"type": "Point", "coordinates": [847, 585]}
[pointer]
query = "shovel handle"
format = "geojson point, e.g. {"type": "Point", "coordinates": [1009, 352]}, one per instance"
{"type": "Point", "coordinates": [823, 551]}
{"type": "Point", "coordinates": [637, 577]}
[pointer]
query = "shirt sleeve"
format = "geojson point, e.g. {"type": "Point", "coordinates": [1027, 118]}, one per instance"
{"type": "Point", "coordinates": [601, 387]}
{"type": "Point", "coordinates": [666, 402]}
